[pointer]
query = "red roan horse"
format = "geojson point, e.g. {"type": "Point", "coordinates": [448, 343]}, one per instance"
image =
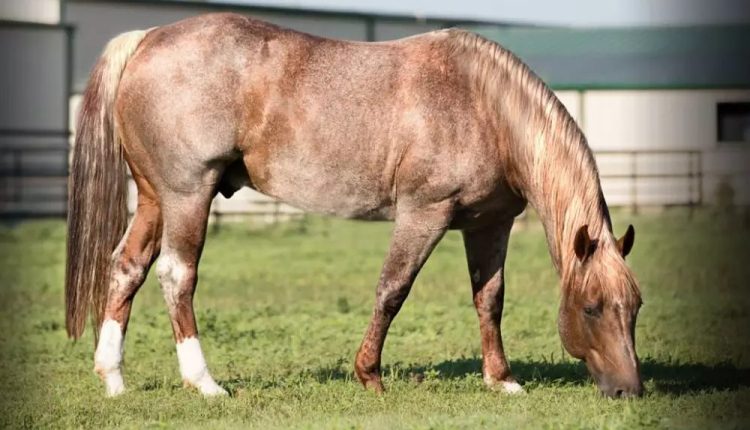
{"type": "Point", "coordinates": [440, 131]}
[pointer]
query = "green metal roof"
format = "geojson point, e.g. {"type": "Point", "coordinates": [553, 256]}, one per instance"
{"type": "Point", "coordinates": [672, 57]}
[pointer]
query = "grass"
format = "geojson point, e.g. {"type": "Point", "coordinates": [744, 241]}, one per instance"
{"type": "Point", "coordinates": [282, 310]}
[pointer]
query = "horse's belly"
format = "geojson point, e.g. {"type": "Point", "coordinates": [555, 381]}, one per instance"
{"type": "Point", "coordinates": [334, 185]}
{"type": "Point", "coordinates": [335, 202]}
{"type": "Point", "coordinates": [328, 198]}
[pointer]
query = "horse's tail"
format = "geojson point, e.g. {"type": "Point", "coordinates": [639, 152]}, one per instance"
{"type": "Point", "coordinates": [97, 189]}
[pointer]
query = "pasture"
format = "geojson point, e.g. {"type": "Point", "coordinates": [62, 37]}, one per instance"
{"type": "Point", "coordinates": [282, 309]}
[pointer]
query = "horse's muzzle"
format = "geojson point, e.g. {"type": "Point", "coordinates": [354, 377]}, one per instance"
{"type": "Point", "coordinates": [622, 389]}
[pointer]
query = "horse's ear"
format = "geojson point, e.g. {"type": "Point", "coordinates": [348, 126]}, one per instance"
{"type": "Point", "coordinates": [625, 243]}
{"type": "Point", "coordinates": [582, 244]}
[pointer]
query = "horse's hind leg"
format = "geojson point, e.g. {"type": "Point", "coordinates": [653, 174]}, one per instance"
{"type": "Point", "coordinates": [185, 217]}
{"type": "Point", "coordinates": [414, 237]}
{"type": "Point", "coordinates": [130, 264]}
{"type": "Point", "coordinates": [485, 251]}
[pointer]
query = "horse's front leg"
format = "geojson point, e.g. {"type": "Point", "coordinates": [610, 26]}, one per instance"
{"type": "Point", "coordinates": [414, 237]}
{"type": "Point", "coordinates": [485, 251]}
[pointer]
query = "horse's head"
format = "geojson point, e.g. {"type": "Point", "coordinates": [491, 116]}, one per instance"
{"type": "Point", "coordinates": [600, 302]}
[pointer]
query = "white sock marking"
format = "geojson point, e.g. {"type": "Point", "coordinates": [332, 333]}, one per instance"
{"type": "Point", "coordinates": [194, 370]}
{"type": "Point", "coordinates": [108, 357]}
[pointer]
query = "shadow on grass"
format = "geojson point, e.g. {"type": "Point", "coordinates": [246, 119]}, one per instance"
{"type": "Point", "coordinates": [667, 377]}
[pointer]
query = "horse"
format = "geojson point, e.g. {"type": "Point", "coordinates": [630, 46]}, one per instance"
{"type": "Point", "coordinates": [443, 130]}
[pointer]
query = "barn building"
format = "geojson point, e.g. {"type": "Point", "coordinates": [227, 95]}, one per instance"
{"type": "Point", "coordinates": [666, 110]}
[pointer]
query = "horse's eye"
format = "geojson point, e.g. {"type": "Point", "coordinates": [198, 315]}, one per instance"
{"type": "Point", "coordinates": [590, 311]}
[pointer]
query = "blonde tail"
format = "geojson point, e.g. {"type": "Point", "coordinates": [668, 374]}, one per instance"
{"type": "Point", "coordinates": [97, 189]}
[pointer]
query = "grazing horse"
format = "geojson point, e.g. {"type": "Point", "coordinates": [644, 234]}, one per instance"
{"type": "Point", "coordinates": [444, 130]}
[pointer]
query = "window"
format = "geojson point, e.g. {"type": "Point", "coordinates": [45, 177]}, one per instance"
{"type": "Point", "coordinates": [734, 122]}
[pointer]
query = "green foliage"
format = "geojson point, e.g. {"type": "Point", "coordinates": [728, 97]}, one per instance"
{"type": "Point", "coordinates": [282, 310]}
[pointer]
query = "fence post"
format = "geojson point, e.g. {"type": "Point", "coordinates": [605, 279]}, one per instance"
{"type": "Point", "coordinates": [699, 153]}
{"type": "Point", "coordinates": [216, 210]}
{"type": "Point", "coordinates": [634, 179]}
{"type": "Point", "coordinates": [17, 174]}
{"type": "Point", "coordinates": [691, 179]}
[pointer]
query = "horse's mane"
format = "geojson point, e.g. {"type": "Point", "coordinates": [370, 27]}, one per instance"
{"type": "Point", "coordinates": [558, 171]}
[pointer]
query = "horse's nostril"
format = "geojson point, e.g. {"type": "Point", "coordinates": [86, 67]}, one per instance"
{"type": "Point", "coordinates": [619, 393]}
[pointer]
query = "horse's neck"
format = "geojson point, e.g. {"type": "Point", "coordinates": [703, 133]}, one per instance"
{"type": "Point", "coordinates": [562, 184]}
{"type": "Point", "coordinates": [549, 161]}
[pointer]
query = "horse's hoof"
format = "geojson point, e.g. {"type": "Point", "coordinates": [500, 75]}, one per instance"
{"type": "Point", "coordinates": [375, 386]}
{"type": "Point", "coordinates": [369, 377]}
{"type": "Point", "coordinates": [511, 387]}
{"type": "Point", "coordinates": [370, 382]}
{"type": "Point", "coordinates": [508, 386]}
{"type": "Point", "coordinates": [207, 387]}
{"type": "Point", "coordinates": [215, 391]}
{"type": "Point", "coordinates": [115, 390]}
{"type": "Point", "coordinates": [112, 381]}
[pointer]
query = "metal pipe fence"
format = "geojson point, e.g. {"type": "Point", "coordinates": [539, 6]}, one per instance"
{"type": "Point", "coordinates": [33, 190]}
{"type": "Point", "coordinates": [33, 176]}
{"type": "Point", "coordinates": [691, 173]}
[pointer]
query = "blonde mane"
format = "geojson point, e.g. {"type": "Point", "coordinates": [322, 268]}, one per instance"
{"type": "Point", "coordinates": [556, 169]}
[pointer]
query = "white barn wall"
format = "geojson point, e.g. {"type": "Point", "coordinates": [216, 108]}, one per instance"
{"type": "Point", "coordinates": [661, 120]}
{"type": "Point", "coordinates": [654, 119]}
{"type": "Point", "coordinates": [572, 102]}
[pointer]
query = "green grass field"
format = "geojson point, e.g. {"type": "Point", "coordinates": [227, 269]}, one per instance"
{"type": "Point", "coordinates": [282, 310]}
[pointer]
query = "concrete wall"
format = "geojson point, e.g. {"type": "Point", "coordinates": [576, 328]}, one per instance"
{"type": "Point", "coordinates": [39, 11]}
